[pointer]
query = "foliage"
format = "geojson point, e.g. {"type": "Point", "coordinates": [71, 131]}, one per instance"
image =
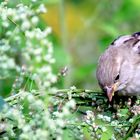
{"type": "Point", "coordinates": [34, 107]}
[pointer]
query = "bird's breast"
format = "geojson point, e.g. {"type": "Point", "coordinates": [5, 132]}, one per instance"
{"type": "Point", "coordinates": [133, 87]}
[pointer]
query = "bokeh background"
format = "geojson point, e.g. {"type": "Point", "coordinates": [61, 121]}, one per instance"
{"type": "Point", "coordinates": [82, 29]}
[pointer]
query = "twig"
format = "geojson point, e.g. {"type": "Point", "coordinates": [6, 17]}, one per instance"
{"type": "Point", "coordinates": [77, 93]}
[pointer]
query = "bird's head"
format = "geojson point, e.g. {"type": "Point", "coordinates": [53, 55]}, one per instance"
{"type": "Point", "coordinates": [115, 67]}
{"type": "Point", "coordinates": [108, 72]}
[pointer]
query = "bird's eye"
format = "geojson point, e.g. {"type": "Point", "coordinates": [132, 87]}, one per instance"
{"type": "Point", "coordinates": [117, 78]}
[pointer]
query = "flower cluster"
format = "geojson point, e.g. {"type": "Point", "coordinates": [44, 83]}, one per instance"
{"type": "Point", "coordinates": [27, 43]}
{"type": "Point", "coordinates": [31, 117]}
{"type": "Point", "coordinates": [26, 50]}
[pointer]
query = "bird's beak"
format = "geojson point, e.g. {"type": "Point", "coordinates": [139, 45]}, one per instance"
{"type": "Point", "coordinates": [111, 90]}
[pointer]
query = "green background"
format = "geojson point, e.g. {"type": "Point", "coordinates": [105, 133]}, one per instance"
{"type": "Point", "coordinates": [83, 29]}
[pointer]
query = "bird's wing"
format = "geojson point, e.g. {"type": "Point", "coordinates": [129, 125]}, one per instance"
{"type": "Point", "coordinates": [136, 45]}
{"type": "Point", "coordinates": [132, 42]}
{"type": "Point", "coordinates": [120, 40]}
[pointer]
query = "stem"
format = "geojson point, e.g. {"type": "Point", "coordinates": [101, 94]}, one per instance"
{"type": "Point", "coordinates": [132, 127]}
{"type": "Point", "coordinates": [82, 96]}
{"type": "Point", "coordinates": [59, 93]}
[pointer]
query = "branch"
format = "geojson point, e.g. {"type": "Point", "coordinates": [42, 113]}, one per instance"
{"type": "Point", "coordinates": [65, 93]}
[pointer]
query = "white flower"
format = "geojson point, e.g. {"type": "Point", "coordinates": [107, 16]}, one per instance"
{"type": "Point", "coordinates": [100, 116]}
{"type": "Point", "coordinates": [113, 137]}
{"type": "Point", "coordinates": [16, 17]}
{"type": "Point", "coordinates": [46, 84]}
{"type": "Point", "coordinates": [42, 9]}
{"type": "Point", "coordinates": [40, 133]}
{"type": "Point", "coordinates": [38, 58]}
{"type": "Point", "coordinates": [46, 69]}
{"type": "Point", "coordinates": [25, 25]}
{"type": "Point", "coordinates": [71, 103]}
{"type": "Point", "coordinates": [114, 123]}
{"type": "Point", "coordinates": [137, 135]}
{"type": "Point", "coordinates": [39, 104]}
{"type": "Point", "coordinates": [104, 129]}
{"type": "Point", "coordinates": [66, 111]}
{"type": "Point", "coordinates": [51, 61]}
{"type": "Point", "coordinates": [11, 63]}
{"type": "Point", "coordinates": [30, 98]}
{"type": "Point", "coordinates": [10, 11]}
{"type": "Point", "coordinates": [29, 34]}
{"type": "Point", "coordinates": [59, 138]}
{"type": "Point", "coordinates": [44, 42]}
{"type": "Point", "coordinates": [60, 122]}
{"type": "Point", "coordinates": [38, 51]}
{"type": "Point", "coordinates": [48, 57]}
{"type": "Point", "coordinates": [34, 20]}
{"type": "Point", "coordinates": [53, 78]}
{"type": "Point", "coordinates": [50, 49]}
{"type": "Point", "coordinates": [2, 127]}
{"type": "Point", "coordinates": [47, 31]}
{"type": "Point", "coordinates": [5, 24]}
{"type": "Point", "coordinates": [106, 118]}
{"type": "Point", "coordinates": [26, 128]}
{"type": "Point", "coordinates": [27, 56]}
{"type": "Point", "coordinates": [17, 38]}
{"type": "Point", "coordinates": [131, 120]}
{"type": "Point", "coordinates": [8, 33]}
{"type": "Point", "coordinates": [23, 16]}
{"type": "Point", "coordinates": [73, 88]}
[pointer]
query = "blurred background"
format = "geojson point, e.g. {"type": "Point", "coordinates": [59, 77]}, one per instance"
{"type": "Point", "coordinates": [83, 29]}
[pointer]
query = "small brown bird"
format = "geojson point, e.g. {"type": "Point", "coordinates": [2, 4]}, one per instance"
{"type": "Point", "coordinates": [118, 69]}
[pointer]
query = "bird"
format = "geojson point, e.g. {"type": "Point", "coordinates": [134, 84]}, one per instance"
{"type": "Point", "coordinates": [118, 69]}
